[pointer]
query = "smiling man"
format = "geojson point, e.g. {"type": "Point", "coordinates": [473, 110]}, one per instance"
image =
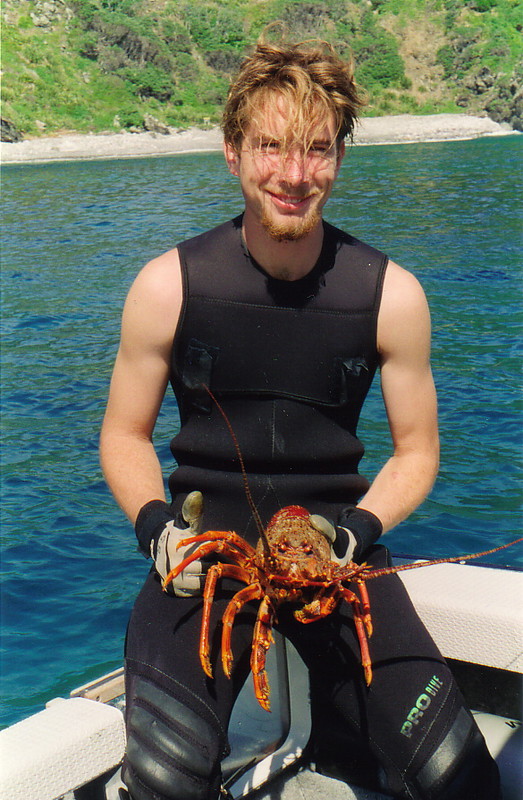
{"type": "Point", "coordinates": [286, 318]}
{"type": "Point", "coordinates": [286, 182]}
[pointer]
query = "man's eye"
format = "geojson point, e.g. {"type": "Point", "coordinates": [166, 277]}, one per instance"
{"type": "Point", "coordinates": [320, 149]}
{"type": "Point", "coordinates": [269, 147]}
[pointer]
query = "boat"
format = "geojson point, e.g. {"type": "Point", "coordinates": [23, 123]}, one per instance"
{"type": "Point", "coordinates": [74, 747]}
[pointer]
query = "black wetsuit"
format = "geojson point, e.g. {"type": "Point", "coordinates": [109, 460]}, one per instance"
{"type": "Point", "coordinates": [291, 363]}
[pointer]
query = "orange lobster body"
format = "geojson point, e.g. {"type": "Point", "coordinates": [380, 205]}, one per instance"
{"type": "Point", "coordinates": [291, 564]}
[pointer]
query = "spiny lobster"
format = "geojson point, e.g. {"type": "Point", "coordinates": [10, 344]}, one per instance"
{"type": "Point", "coordinates": [291, 563]}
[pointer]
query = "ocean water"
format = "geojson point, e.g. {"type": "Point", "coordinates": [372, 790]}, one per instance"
{"type": "Point", "coordinates": [75, 234]}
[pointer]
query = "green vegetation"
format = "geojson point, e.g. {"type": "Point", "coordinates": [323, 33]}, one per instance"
{"type": "Point", "coordinates": [93, 65]}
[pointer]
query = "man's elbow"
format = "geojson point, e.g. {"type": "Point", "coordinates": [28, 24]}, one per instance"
{"type": "Point", "coordinates": [111, 444]}
{"type": "Point", "coordinates": [421, 464]}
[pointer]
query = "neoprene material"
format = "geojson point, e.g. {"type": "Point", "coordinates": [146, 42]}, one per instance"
{"type": "Point", "coordinates": [150, 522]}
{"type": "Point", "coordinates": [363, 524]}
{"type": "Point", "coordinates": [290, 363]}
{"type": "Point", "coordinates": [461, 768]}
{"type": "Point", "coordinates": [173, 750]}
{"type": "Point", "coordinates": [245, 333]}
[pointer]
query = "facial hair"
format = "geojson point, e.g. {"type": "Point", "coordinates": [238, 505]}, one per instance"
{"type": "Point", "coordinates": [294, 230]}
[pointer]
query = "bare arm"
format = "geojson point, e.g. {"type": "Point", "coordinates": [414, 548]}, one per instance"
{"type": "Point", "coordinates": [410, 400]}
{"type": "Point", "coordinates": [138, 384]}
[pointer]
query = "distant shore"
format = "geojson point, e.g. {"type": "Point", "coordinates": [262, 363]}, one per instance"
{"type": "Point", "coordinates": [399, 129]}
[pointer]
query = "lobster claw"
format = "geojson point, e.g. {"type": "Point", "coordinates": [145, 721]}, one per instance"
{"type": "Point", "coordinates": [192, 511]}
{"type": "Point", "coordinates": [323, 526]}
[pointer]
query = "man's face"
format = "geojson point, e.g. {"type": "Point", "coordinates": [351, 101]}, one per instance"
{"type": "Point", "coordinates": [284, 181]}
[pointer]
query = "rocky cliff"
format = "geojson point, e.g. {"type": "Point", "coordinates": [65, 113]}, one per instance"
{"type": "Point", "coordinates": [95, 65]}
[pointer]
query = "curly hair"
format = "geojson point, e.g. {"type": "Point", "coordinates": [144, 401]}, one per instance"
{"type": "Point", "coordinates": [310, 77]}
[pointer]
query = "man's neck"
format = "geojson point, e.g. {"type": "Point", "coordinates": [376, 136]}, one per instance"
{"type": "Point", "coordinates": [284, 260]}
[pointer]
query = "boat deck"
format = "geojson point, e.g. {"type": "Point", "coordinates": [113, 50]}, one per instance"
{"type": "Point", "coordinates": [293, 784]}
{"type": "Point", "coordinates": [308, 785]}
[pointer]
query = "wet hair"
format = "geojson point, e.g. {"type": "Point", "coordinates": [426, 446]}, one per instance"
{"type": "Point", "coordinates": [311, 79]}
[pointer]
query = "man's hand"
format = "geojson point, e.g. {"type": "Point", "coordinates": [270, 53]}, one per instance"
{"type": "Point", "coordinates": [167, 555]}
{"type": "Point", "coordinates": [158, 536]}
{"type": "Point", "coordinates": [357, 529]}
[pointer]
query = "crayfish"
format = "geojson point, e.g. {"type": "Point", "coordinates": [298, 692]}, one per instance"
{"type": "Point", "coordinates": [291, 563]}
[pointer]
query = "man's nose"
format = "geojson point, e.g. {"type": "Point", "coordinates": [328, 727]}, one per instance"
{"type": "Point", "coordinates": [293, 168]}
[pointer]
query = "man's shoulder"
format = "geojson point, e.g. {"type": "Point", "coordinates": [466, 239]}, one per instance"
{"type": "Point", "coordinates": [401, 280]}
{"type": "Point", "coordinates": [160, 267]}
{"type": "Point", "coordinates": [403, 294]}
{"type": "Point", "coordinates": [158, 284]}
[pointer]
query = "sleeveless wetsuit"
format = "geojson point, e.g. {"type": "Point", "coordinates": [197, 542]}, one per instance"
{"type": "Point", "coordinates": [291, 364]}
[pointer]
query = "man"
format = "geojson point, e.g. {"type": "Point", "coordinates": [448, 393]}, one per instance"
{"type": "Point", "coordinates": [286, 319]}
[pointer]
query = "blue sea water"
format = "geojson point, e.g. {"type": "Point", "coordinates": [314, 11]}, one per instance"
{"type": "Point", "coordinates": [75, 236]}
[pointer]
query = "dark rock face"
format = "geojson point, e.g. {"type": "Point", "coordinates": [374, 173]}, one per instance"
{"type": "Point", "coordinates": [9, 132]}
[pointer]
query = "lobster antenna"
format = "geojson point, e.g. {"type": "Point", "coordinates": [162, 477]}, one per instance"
{"type": "Point", "coordinates": [455, 559]}
{"type": "Point", "coordinates": [252, 504]}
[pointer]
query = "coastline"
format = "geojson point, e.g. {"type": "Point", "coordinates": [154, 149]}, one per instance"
{"type": "Point", "coordinates": [400, 129]}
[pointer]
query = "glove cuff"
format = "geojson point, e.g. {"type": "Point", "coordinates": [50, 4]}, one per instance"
{"type": "Point", "coordinates": [150, 522]}
{"type": "Point", "coordinates": [364, 526]}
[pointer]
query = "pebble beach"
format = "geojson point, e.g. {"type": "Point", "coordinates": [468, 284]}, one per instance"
{"type": "Point", "coordinates": [371, 130]}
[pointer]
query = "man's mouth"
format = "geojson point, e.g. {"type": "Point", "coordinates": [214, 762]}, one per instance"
{"type": "Point", "coordinates": [290, 202]}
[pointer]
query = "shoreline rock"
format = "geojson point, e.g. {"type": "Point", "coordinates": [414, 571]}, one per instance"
{"type": "Point", "coordinates": [399, 129]}
{"type": "Point", "coordinates": [9, 132]}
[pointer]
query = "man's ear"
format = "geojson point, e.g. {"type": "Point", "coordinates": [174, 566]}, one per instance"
{"type": "Point", "coordinates": [232, 159]}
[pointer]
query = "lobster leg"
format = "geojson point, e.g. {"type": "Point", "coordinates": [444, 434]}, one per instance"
{"type": "Point", "coordinates": [206, 548]}
{"type": "Point", "coordinates": [252, 592]}
{"type": "Point", "coordinates": [365, 607]}
{"type": "Point", "coordinates": [230, 537]}
{"type": "Point", "coordinates": [361, 632]}
{"type": "Point", "coordinates": [261, 641]}
{"type": "Point", "coordinates": [213, 573]}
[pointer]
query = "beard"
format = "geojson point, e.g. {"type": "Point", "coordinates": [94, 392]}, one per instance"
{"type": "Point", "coordinates": [292, 230]}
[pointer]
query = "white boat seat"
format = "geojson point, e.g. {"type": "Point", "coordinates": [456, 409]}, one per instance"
{"type": "Point", "coordinates": [63, 747]}
{"type": "Point", "coordinates": [473, 613]}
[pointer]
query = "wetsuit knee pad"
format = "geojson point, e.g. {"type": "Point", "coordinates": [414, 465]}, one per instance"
{"type": "Point", "coordinates": [172, 752]}
{"type": "Point", "coordinates": [461, 768]}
